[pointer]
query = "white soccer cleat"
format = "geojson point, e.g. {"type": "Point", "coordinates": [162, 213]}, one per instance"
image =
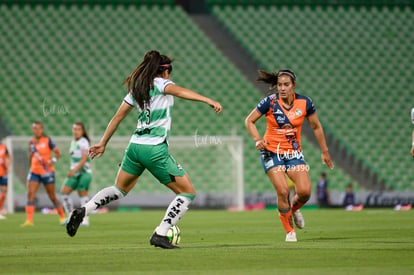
{"type": "Point", "coordinates": [299, 220]}
{"type": "Point", "coordinates": [291, 237]}
{"type": "Point", "coordinates": [85, 221]}
{"type": "Point", "coordinates": [2, 217]}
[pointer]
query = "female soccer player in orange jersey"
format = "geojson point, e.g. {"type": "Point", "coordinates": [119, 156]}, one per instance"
{"type": "Point", "coordinates": [280, 148]}
{"type": "Point", "coordinates": [41, 171]}
{"type": "Point", "coordinates": [5, 160]}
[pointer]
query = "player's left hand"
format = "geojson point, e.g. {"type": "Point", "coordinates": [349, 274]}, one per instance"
{"type": "Point", "coordinates": [326, 159]}
{"type": "Point", "coordinates": [71, 173]}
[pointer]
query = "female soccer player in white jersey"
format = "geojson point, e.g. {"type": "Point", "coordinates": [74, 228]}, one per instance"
{"type": "Point", "coordinates": [412, 120]}
{"type": "Point", "coordinates": [151, 93]}
{"type": "Point", "coordinates": [80, 174]}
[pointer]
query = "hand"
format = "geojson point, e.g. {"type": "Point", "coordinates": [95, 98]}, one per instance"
{"type": "Point", "coordinates": [261, 144]}
{"type": "Point", "coordinates": [71, 173]}
{"type": "Point", "coordinates": [96, 150]}
{"type": "Point", "coordinates": [216, 106]}
{"type": "Point", "coordinates": [326, 159]}
{"type": "Point", "coordinates": [51, 161]}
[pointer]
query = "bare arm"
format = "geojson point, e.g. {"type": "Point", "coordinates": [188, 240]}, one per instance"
{"type": "Point", "coordinates": [320, 136]}
{"type": "Point", "coordinates": [188, 94]}
{"type": "Point", "coordinates": [98, 149]}
{"type": "Point", "coordinates": [57, 153]}
{"type": "Point", "coordinates": [251, 127]}
{"type": "Point", "coordinates": [7, 162]}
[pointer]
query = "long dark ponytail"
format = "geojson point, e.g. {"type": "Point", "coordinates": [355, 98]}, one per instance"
{"type": "Point", "coordinates": [272, 77]}
{"type": "Point", "coordinates": [140, 82]}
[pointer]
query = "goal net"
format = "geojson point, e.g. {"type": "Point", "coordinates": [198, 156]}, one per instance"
{"type": "Point", "coordinates": [213, 163]}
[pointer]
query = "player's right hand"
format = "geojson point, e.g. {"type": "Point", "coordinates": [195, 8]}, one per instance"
{"type": "Point", "coordinates": [261, 144]}
{"type": "Point", "coordinates": [216, 106]}
{"type": "Point", "coordinates": [96, 150]}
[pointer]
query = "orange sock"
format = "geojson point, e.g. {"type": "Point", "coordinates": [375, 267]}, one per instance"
{"type": "Point", "coordinates": [296, 203]}
{"type": "Point", "coordinates": [30, 209]}
{"type": "Point", "coordinates": [2, 199]}
{"type": "Point", "coordinates": [61, 212]}
{"type": "Point", "coordinates": [285, 216]}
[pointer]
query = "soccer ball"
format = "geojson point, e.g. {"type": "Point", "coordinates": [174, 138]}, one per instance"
{"type": "Point", "coordinates": [174, 235]}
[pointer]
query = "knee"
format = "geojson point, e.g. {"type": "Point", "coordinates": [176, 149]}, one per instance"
{"type": "Point", "coordinates": [283, 194]}
{"type": "Point", "coordinates": [303, 196]}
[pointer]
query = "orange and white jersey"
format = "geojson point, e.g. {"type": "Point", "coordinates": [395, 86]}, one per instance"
{"type": "Point", "coordinates": [284, 125]}
{"type": "Point", "coordinates": [3, 155]}
{"type": "Point", "coordinates": [41, 154]}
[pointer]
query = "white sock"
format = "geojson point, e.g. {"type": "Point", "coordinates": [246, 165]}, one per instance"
{"type": "Point", "coordinates": [104, 197]}
{"type": "Point", "coordinates": [67, 203]}
{"type": "Point", "coordinates": [175, 211]}
{"type": "Point", "coordinates": [83, 200]}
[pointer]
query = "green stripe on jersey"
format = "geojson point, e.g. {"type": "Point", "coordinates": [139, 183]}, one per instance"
{"type": "Point", "coordinates": [74, 159]}
{"type": "Point", "coordinates": [158, 114]}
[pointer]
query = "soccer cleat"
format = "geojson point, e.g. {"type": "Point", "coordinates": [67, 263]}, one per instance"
{"type": "Point", "coordinates": [161, 241]}
{"type": "Point", "coordinates": [291, 237]}
{"type": "Point", "coordinates": [27, 224]}
{"type": "Point", "coordinates": [75, 220]}
{"type": "Point", "coordinates": [299, 220]}
{"type": "Point", "coordinates": [2, 217]}
{"type": "Point", "coordinates": [63, 221]}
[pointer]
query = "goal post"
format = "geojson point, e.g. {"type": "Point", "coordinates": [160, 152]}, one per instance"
{"type": "Point", "coordinates": [213, 163]}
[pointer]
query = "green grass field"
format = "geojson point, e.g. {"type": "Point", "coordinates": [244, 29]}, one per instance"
{"type": "Point", "coordinates": [214, 242]}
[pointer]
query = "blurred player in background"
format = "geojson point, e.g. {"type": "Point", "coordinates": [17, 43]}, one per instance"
{"type": "Point", "coordinates": [349, 200]}
{"type": "Point", "coordinates": [280, 148]}
{"type": "Point", "coordinates": [80, 174]}
{"type": "Point", "coordinates": [151, 93]}
{"type": "Point", "coordinates": [322, 191]}
{"type": "Point", "coordinates": [291, 186]}
{"type": "Point", "coordinates": [412, 144]}
{"type": "Point", "coordinates": [41, 171]}
{"type": "Point", "coordinates": [5, 160]}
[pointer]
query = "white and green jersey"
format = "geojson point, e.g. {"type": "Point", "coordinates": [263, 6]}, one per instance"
{"type": "Point", "coordinates": [154, 122]}
{"type": "Point", "coordinates": [412, 115]}
{"type": "Point", "coordinates": [77, 149]}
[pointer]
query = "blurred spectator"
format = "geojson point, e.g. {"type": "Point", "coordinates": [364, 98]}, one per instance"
{"type": "Point", "coordinates": [322, 191]}
{"type": "Point", "coordinates": [349, 200]}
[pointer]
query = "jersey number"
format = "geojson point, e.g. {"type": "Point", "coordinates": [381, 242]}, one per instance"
{"type": "Point", "coordinates": [147, 116]}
